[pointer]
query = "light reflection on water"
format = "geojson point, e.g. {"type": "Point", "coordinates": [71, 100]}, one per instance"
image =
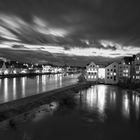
{"type": "Point", "coordinates": [101, 112]}
{"type": "Point", "coordinates": [15, 88]}
{"type": "Point", "coordinates": [23, 86]}
{"type": "Point", "coordinates": [99, 98]}
{"type": "Point", "coordinates": [6, 89]}
{"type": "Point", "coordinates": [125, 105]}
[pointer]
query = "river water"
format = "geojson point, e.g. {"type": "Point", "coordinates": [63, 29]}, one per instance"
{"type": "Point", "coordinates": [101, 112]}
{"type": "Point", "coordinates": [16, 88]}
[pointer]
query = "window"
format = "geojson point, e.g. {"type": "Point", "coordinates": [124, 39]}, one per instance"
{"type": "Point", "coordinates": [114, 78]}
{"type": "Point", "coordinates": [111, 69]}
{"type": "Point", "coordinates": [110, 77]}
{"type": "Point", "coordinates": [114, 70]}
{"type": "Point", "coordinates": [107, 77]}
{"type": "Point", "coordinates": [114, 66]}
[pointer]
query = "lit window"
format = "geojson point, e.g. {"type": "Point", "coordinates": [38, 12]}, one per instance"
{"type": "Point", "coordinates": [126, 70]}
{"type": "Point", "coordinates": [137, 72]}
{"type": "Point", "coordinates": [137, 77]}
{"type": "Point", "coordinates": [114, 73]}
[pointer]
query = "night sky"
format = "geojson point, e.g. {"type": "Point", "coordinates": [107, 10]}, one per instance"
{"type": "Point", "coordinates": [69, 31]}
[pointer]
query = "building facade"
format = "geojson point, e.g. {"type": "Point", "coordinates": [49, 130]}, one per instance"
{"type": "Point", "coordinates": [136, 68]}
{"type": "Point", "coordinates": [3, 69]}
{"type": "Point", "coordinates": [92, 72]}
{"type": "Point", "coordinates": [112, 73]}
{"type": "Point", "coordinates": [125, 71]}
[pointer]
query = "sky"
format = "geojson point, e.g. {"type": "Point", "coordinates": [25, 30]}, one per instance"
{"type": "Point", "coordinates": [69, 31]}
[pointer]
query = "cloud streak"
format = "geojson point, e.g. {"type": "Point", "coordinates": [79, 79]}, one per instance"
{"type": "Point", "coordinates": [105, 28]}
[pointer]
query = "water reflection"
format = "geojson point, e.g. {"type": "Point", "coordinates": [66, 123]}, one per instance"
{"type": "Point", "coordinates": [23, 86]}
{"type": "Point", "coordinates": [136, 103]}
{"type": "Point", "coordinates": [94, 99]}
{"type": "Point", "coordinates": [37, 82]}
{"type": "Point", "coordinates": [44, 81]}
{"type": "Point", "coordinates": [101, 97]}
{"type": "Point", "coordinates": [60, 80]}
{"type": "Point", "coordinates": [125, 105]}
{"type": "Point", "coordinates": [6, 89]}
{"type": "Point", "coordinates": [108, 111]}
{"type": "Point", "coordinates": [15, 88]}
{"type": "Point", "coordinates": [0, 84]}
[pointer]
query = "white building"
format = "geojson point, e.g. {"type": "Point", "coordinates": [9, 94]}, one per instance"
{"type": "Point", "coordinates": [3, 69]}
{"type": "Point", "coordinates": [46, 68]}
{"type": "Point", "coordinates": [92, 72]}
{"type": "Point", "coordinates": [112, 73]}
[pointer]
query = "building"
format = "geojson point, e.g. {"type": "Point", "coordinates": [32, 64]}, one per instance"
{"type": "Point", "coordinates": [92, 72]}
{"type": "Point", "coordinates": [125, 69]}
{"type": "Point", "coordinates": [46, 68]}
{"type": "Point", "coordinates": [3, 69]}
{"type": "Point", "coordinates": [112, 73]}
{"type": "Point", "coordinates": [136, 68]}
{"type": "Point", "coordinates": [101, 74]}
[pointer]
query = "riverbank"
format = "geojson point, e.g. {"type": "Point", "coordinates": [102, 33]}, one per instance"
{"type": "Point", "coordinates": [25, 75]}
{"type": "Point", "coordinates": [31, 74]}
{"type": "Point", "coordinates": [17, 107]}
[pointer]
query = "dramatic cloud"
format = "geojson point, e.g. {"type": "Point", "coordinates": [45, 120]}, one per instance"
{"type": "Point", "coordinates": [95, 28]}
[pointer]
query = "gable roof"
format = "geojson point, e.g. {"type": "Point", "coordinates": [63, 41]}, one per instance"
{"type": "Point", "coordinates": [111, 64]}
{"type": "Point", "coordinates": [91, 63]}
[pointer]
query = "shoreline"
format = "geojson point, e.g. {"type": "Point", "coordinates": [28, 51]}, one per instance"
{"type": "Point", "coordinates": [29, 75]}
{"type": "Point", "coordinates": [13, 108]}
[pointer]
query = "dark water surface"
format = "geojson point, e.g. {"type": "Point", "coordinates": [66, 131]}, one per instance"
{"type": "Point", "coordinates": [101, 112]}
{"type": "Point", "coordinates": [15, 88]}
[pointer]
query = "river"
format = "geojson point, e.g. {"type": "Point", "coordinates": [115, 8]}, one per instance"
{"type": "Point", "coordinates": [16, 88]}
{"type": "Point", "coordinates": [102, 112]}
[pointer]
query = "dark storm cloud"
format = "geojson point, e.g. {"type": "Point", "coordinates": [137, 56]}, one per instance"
{"type": "Point", "coordinates": [71, 23]}
{"type": "Point", "coordinates": [86, 19]}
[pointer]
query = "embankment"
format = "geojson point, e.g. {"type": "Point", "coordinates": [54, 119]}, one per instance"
{"type": "Point", "coordinates": [13, 108]}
